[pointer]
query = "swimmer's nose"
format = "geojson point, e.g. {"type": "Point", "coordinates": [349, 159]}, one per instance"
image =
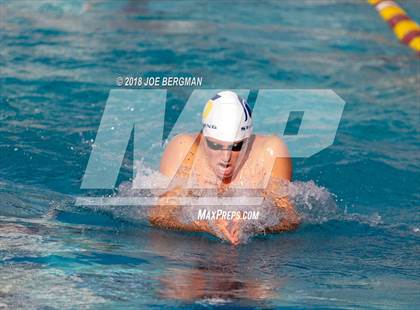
{"type": "Point", "coordinates": [226, 156]}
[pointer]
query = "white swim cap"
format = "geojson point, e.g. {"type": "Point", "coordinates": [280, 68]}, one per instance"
{"type": "Point", "coordinates": [227, 117]}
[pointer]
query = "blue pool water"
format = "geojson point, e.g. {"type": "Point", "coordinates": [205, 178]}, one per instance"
{"type": "Point", "coordinates": [359, 243]}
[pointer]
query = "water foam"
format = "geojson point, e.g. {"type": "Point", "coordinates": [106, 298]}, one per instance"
{"type": "Point", "coordinates": [313, 203]}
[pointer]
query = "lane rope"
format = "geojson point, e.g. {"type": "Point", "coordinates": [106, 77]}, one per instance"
{"type": "Point", "coordinates": [405, 29]}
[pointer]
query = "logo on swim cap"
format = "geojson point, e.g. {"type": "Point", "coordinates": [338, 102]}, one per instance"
{"type": "Point", "coordinates": [207, 109]}
{"type": "Point", "coordinates": [230, 116]}
{"type": "Point", "coordinates": [245, 105]}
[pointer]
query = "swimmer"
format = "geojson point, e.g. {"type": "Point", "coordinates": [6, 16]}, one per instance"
{"type": "Point", "coordinates": [224, 155]}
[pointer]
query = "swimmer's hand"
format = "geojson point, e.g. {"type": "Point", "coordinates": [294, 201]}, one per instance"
{"type": "Point", "coordinates": [219, 228]}
{"type": "Point", "coordinates": [227, 230]}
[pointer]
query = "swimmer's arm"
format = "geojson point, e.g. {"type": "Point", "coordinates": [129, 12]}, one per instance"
{"type": "Point", "coordinates": [167, 217]}
{"type": "Point", "coordinates": [277, 158]}
{"type": "Point", "coordinates": [166, 212]}
{"type": "Point", "coordinates": [290, 219]}
{"type": "Point", "coordinates": [174, 154]}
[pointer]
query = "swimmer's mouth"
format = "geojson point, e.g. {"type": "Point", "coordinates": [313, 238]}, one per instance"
{"type": "Point", "coordinates": [225, 169]}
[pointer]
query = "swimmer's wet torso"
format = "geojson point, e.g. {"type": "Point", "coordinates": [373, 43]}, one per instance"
{"type": "Point", "coordinates": [225, 155]}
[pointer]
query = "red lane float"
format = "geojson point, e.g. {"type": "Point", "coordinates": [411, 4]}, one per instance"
{"type": "Point", "coordinates": [406, 30]}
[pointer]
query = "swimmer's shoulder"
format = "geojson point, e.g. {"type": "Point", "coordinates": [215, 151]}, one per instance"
{"type": "Point", "coordinates": [275, 156]}
{"type": "Point", "coordinates": [270, 146]}
{"type": "Point", "coordinates": [275, 146]}
{"type": "Point", "coordinates": [175, 152]}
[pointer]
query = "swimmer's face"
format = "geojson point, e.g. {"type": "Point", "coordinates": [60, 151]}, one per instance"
{"type": "Point", "coordinates": [224, 157]}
